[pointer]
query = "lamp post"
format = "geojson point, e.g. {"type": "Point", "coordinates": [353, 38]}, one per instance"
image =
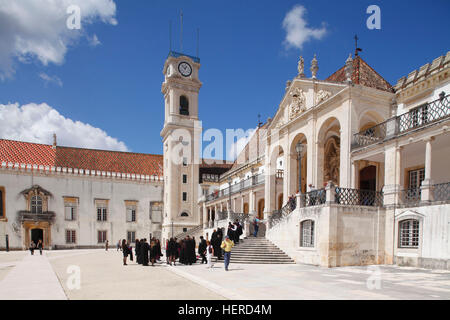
{"type": "Point", "coordinates": [229, 198]}
{"type": "Point", "coordinates": [299, 147]}
{"type": "Point", "coordinates": [172, 228]}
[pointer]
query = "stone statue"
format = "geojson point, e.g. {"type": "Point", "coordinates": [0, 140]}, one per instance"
{"type": "Point", "coordinates": [349, 68]}
{"type": "Point", "coordinates": [322, 95]}
{"type": "Point", "coordinates": [314, 67]}
{"type": "Point", "coordinates": [301, 68]}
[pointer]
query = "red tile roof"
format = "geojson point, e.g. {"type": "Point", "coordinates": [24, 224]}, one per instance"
{"type": "Point", "coordinates": [79, 158]}
{"type": "Point", "coordinates": [363, 74]}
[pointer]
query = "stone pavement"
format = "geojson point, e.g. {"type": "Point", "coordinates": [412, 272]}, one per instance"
{"type": "Point", "coordinates": [32, 278]}
{"type": "Point", "coordinates": [104, 277]}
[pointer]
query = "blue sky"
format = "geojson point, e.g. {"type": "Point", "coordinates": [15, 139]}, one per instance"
{"type": "Point", "coordinates": [116, 85]}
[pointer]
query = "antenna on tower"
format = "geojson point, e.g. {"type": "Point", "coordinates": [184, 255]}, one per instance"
{"type": "Point", "coordinates": [198, 41]}
{"type": "Point", "coordinates": [181, 33]}
{"type": "Point", "coordinates": [170, 35]}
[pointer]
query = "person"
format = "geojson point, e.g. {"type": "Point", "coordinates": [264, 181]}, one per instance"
{"type": "Point", "coordinates": [130, 250]}
{"type": "Point", "coordinates": [106, 245]}
{"type": "Point", "coordinates": [177, 248]}
{"type": "Point", "coordinates": [39, 246]}
{"type": "Point", "coordinates": [183, 250]}
{"type": "Point", "coordinates": [202, 249]}
{"type": "Point", "coordinates": [32, 247]}
{"type": "Point", "coordinates": [137, 252]}
{"type": "Point", "coordinates": [144, 247]}
{"type": "Point", "coordinates": [226, 245]}
{"type": "Point", "coordinates": [153, 251]}
{"type": "Point", "coordinates": [230, 231]}
{"type": "Point", "coordinates": [189, 250]}
{"type": "Point", "coordinates": [124, 251]}
{"type": "Point", "coordinates": [172, 251]}
{"type": "Point", "coordinates": [209, 253]}
{"type": "Point", "coordinates": [217, 247]}
{"type": "Point", "coordinates": [118, 245]}
{"type": "Point", "coordinates": [239, 231]}
{"type": "Point", "coordinates": [158, 250]}
{"type": "Point", "coordinates": [255, 227]}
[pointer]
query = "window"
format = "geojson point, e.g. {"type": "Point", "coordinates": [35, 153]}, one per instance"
{"type": "Point", "coordinates": [71, 236]}
{"type": "Point", "coordinates": [184, 106]}
{"type": "Point", "coordinates": [184, 196]}
{"type": "Point", "coordinates": [102, 210]}
{"type": "Point", "coordinates": [131, 236]}
{"type": "Point", "coordinates": [156, 212]}
{"type": "Point", "coordinates": [415, 178]}
{"type": "Point", "coordinates": [184, 162]}
{"type": "Point", "coordinates": [307, 233]}
{"type": "Point", "coordinates": [184, 229]}
{"type": "Point", "coordinates": [2, 202]}
{"type": "Point", "coordinates": [101, 236]}
{"type": "Point", "coordinates": [36, 204]}
{"type": "Point", "coordinates": [184, 178]}
{"type": "Point", "coordinates": [70, 208]}
{"type": "Point", "coordinates": [409, 233]}
{"type": "Point", "coordinates": [131, 213]}
{"type": "Point", "coordinates": [184, 214]}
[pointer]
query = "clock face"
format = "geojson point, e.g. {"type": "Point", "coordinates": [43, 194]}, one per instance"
{"type": "Point", "coordinates": [185, 69]}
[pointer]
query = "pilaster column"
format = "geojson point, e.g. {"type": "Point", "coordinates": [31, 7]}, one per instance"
{"type": "Point", "coordinates": [392, 174]}
{"type": "Point", "coordinates": [242, 204]}
{"type": "Point", "coordinates": [427, 183]}
{"type": "Point", "coordinates": [354, 174]}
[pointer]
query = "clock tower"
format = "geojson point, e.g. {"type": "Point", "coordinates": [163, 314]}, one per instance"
{"type": "Point", "coordinates": [181, 144]}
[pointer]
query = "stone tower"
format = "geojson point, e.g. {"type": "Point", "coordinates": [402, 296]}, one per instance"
{"type": "Point", "coordinates": [181, 144]}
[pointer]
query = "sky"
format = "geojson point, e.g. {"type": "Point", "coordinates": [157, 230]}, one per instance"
{"type": "Point", "coordinates": [100, 86]}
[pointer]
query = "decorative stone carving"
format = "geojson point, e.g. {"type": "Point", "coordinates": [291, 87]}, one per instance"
{"type": "Point", "coordinates": [332, 160]}
{"type": "Point", "coordinates": [301, 68]}
{"type": "Point", "coordinates": [349, 68]}
{"type": "Point", "coordinates": [322, 95]}
{"type": "Point", "coordinates": [298, 104]}
{"type": "Point", "coordinates": [314, 67]}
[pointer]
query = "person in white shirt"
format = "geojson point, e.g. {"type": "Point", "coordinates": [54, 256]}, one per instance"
{"type": "Point", "coordinates": [209, 253]}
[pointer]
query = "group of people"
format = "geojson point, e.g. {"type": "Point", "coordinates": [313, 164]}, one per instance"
{"type": "Point", "coordinates": [184, 249]}
{"type": "Point", "coordinates": [234, 231]}
{"type": "Point", "coordinates": [34, 246]}
{"type": "Point", "coordinates": [145, 252]}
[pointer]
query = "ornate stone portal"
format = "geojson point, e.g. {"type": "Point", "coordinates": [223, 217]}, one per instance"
{"type": "Point", "coordinates": [332, 160]}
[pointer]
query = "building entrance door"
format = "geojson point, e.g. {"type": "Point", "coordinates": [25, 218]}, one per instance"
{"type": "Point", "coordinates": [261, 209]}
{"type": "Point", "coordinates": [368, 178]}
{"type": "Point", "coordinates": [36, 235]}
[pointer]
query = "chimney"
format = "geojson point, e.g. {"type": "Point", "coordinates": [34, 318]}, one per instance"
{"type": "Point", "coordinates": [54, 141]}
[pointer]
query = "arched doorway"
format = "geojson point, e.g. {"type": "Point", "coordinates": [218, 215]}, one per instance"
{"type": "Point", "coordinates": [368, 178]}
{"type": "Point", "coordinates": [298, 169]}
{"type": "Point", "coordinates": [261, 209]}
{"type": "Point", "coordinates": [329, 152]}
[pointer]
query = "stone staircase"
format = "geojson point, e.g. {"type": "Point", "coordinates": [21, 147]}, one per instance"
{"type": "Point", "coordinates": [258, 251]}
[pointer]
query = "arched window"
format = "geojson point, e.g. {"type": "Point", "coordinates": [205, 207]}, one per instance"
{"type": "Point", "coordinates": [36, 204]}
{"type": "Point", "coordinates": [184, 214]}
{"type": "Point", "coordinates": [307, 233]}
{"type": "Point", "coordinates": [409, 233]}
{"type": "Point", "coordinates": [184, 106]}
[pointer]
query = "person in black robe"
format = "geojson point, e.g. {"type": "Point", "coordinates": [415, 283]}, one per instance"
{"type": "Point", "coordinates": [202, 249]}
{"type": "Point", "coordinates": [144, 252]}
{"type": "Point", "coordinates": [137, 251]}
{"type": "Point", "coordinates": [183, 252]}
{"type": "Point", "coordinates": [178, 248]}
{"type": "Point", "coordinates": [213, 240]}
{"type": "Point", "coordinates": [153, 252]}
{"type": "Point", "coordinates": [172, 251]}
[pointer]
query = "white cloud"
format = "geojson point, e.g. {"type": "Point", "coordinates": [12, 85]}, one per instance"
{"type": "Point", "coordinates": [37, 29]}
{"type": "Point", "coordinates": [37, 123]}
{"type": "Point", "coordinates": [50, 79]}
{"type": "Point", "coordinates": [93, 41]}
{"type": "Point", "coordinates": [297, 32]}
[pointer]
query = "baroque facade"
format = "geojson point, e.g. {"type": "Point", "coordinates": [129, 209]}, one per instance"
{"type": "Point", "coordinates": [365, 162]}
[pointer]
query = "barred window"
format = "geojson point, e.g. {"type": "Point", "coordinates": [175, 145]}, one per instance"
{"type": "Point", "coordinates": [184, 196]}
{"type": "Point", "coordinates": [36, 204]}
{"type": "Point", "coordinates": [409, 233]}
{"type": "Point", "coordinates": [2, 202]}
{"type": "Point", "coordinates": [71, 236]}
{"type": "Point", "coordinates": [307, 233]}
{"type": "Point", "coordinates": [101, 236]}
{"type": "Point", "coordinates": [184, 178]}
{"type": "Point", "coordinates": [131, 214]}
{"type": "Point", "coordinates": [131, 236]}
{"type": "Point", "coordinates": [102, 214]}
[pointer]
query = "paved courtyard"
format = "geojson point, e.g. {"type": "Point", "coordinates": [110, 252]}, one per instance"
{"type": "Point", "coordinates": [102, 276]}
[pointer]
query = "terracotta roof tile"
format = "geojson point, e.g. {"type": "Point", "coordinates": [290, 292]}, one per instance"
{"type": "Point", "coordinates": [363, 74]}
{"type": "Point", "coordinates": [88, 159]}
